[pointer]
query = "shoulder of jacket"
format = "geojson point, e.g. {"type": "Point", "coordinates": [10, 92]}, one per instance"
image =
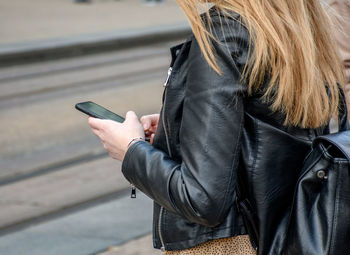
{"type": "Point", "coordinates": [220, 16]}
{"type": "Point", "coordinates": [225, 24]}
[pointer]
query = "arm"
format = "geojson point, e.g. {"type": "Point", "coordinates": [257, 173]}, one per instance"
{"type": "Point", "coordinates": [201, 187]}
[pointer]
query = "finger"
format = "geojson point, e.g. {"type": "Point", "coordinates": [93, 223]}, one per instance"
{"type": "Point", "coordinates": [152, 138]}
{"type": "Point", "coordinates": [94, 122]}
{"type": "Point", "coordinates": [148, 133]}
{"type": "Point", "coordinates": [96, 131]}
{"type": "Point", "coordinates": [153, 129]}
{"type": "Point", "coordinates": [131, 117]}
{"type": "Point", "coordinates": [146, 122]}
{"type": "Point", "coordinates": [114, 156]}
{"type": "Point", "coordinates": [150, 121]}
{"type": "Point", "coordinates": [154, 118]}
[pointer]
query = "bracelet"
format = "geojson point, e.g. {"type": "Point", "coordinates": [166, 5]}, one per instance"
{"type": "Point", "coordinates": [135, 139]}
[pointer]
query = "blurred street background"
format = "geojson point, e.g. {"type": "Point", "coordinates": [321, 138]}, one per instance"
{"type": "Point", "coordinates": [60, 193]}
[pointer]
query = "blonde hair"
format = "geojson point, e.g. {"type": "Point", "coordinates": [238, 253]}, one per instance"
{"type": "Point", "coordinates": [293, 45]}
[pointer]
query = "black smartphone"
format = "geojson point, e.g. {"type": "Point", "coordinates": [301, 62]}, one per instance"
{"type": "Point", "coordinates": [94, 110]}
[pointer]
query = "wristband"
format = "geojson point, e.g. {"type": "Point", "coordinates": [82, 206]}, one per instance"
{"type": "Point", "coordinates": [135, 139]}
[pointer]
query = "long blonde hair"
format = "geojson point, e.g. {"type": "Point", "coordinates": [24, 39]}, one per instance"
{"type": "Point", "coordinates": [293, 44]}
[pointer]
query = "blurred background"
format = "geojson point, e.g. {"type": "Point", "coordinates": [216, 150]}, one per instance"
{"type": "Point", "coordinates": [60, 193]}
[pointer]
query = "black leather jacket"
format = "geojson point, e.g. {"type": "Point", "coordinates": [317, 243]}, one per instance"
{"type": "Point", "coordinates": [208, 130]}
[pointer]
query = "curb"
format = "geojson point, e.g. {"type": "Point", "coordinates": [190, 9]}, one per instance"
{"type": "Point", "coordinates": [36, 51]}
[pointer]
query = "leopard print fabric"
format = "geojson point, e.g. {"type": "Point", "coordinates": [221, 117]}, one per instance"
{"type": "Point", "coordinates": [238, 245]}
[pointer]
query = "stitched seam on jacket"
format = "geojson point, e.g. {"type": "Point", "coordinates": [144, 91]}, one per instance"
{"type": "Point", "coordinates": [256, 143]}
{"type": "Point", "coordinates": [239, 136]}
{"type": "Point", "coordinates": [336, 207]}
{"type": "Point", "coordinates": [168, 186]}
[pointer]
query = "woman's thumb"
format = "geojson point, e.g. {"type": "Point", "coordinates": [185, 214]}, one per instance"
{"type": "Point", "coordinates": [131, 116]}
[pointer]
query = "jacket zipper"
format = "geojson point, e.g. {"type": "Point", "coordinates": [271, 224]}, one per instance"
{"type": "Point", "coordinates": [167, 79]}
{"type": "Point", "coordinates": [133, 190]}
{"type": "Point", "coordinates": [167, 142]}
{"type": "Point", "coordinates": [159, 230]}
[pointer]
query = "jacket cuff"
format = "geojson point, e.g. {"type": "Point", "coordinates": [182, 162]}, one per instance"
{"type": "Point", "coordinates": [127, 165]}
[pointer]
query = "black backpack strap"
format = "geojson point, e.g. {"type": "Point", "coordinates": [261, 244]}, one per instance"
{"type": "Point", "coordinates": [340, 140]}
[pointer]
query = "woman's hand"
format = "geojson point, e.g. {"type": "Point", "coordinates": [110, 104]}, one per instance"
{"type": "Point", "coordinates": [150, 125]}
{"type": "Point", "coordinates": [116, 136]}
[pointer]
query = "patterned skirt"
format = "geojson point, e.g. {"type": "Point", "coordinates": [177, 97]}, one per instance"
{"type": "Point", "coordinates": [238, 245]}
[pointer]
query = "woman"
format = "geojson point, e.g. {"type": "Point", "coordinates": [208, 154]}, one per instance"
{"type": "Point", "coordinates": [245, 94]}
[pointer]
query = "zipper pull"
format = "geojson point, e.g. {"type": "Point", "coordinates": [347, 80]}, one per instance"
{"type": "Point", "coordinates": [167, 79]}
{"type": "Point", "coordinates": [133, 191]}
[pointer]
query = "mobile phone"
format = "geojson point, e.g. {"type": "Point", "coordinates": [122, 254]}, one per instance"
{"type": "Point", "coordinates": [94, 110]}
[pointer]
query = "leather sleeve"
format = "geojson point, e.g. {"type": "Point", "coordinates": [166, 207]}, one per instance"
{"type": "Point", "coordinates": [201, 188]}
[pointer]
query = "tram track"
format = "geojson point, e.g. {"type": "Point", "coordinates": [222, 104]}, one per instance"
{"type": "Point", "coordinates": [84, 72]}
{"type": "Point", "coordinates": [71, 65]}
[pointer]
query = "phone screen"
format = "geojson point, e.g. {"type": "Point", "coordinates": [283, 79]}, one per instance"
{"type": "Point", "coordinates": [98, 111]}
